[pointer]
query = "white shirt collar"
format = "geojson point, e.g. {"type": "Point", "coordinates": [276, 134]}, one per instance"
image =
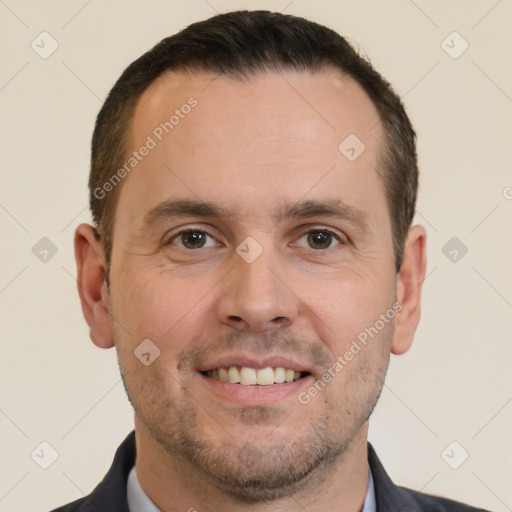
{"type": "Point", "coordinates": [138, 500]}
{"type": "Point", "coordinates": [370, 505]}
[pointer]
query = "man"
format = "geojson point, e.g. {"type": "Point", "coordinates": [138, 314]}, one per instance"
{"type": "Point", "coordinates": [253, 185]}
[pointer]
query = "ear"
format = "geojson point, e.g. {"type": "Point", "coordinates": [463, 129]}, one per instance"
{"type": "Point", "coordinates": [409, 283]}
{"type": "Point", "coordinates": [92, 287]}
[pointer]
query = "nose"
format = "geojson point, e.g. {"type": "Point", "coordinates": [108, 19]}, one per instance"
{"type": "Point", "coordinates": [257, 296]}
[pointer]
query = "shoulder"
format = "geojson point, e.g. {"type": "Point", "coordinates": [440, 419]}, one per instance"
{"type": "Point", "coordinates": [392, 498]}
{"type": "Point", "coordinates": [429, 503]}
{"type": "Point", "coordinates": [75, 506]}
{"type": "Point", "coordinates": [110, 494]}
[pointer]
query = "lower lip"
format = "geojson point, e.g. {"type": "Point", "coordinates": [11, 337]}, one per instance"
{"type": "Point", "coordinates": [256, 395]}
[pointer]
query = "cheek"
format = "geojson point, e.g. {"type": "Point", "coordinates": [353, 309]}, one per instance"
{"type": "Point", "coordinates": [345, 305]}
{"type": "Point", "coordinates": [155, 305]}
{"type": "Point", "coordinates": [361, 362]}
{"type": "Point", "coordinates": [154, 390]}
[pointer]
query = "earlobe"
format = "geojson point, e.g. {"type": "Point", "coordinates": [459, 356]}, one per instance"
{"type": "Point", "coordinates": [408, 292]}
{"type": "Point", "coordinates": [91, 285]}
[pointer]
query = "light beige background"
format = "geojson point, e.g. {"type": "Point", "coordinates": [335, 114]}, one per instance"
{"type": "Point", "coordinates": [454, 385]}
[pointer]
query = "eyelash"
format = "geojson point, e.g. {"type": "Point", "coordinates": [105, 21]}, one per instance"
{"type": "Point", "coordinates": [193, 229]}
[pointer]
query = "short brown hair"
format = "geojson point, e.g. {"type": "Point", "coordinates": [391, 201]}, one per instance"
{"type": "Point", "coordinates": [242, 44]}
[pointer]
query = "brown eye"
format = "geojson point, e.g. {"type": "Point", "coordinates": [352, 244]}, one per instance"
{"type": "Point", "coordinates": [319, 239]}
{"type": "Point", "coordinates": [190, 239]}
{"type": "Point", "coordinates": [193, 239]}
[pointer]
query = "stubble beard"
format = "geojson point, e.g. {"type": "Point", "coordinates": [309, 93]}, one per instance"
{"type": "Point", "coordinates": [249, 473]}
{"type": "Point", "coordinates": [253, 474]}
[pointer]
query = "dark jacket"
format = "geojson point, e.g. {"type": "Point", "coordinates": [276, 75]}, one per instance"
{"type": "Point", "coordinates": [110, 494]}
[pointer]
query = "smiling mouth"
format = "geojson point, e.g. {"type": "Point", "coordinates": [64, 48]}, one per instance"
{"type": "Point", "coordinates": [247, 376]}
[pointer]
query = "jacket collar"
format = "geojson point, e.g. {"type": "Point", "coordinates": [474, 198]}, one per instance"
{"type": "Point", "coordinates": [388, 496]}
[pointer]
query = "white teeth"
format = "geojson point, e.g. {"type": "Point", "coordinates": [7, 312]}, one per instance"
{"type": "Point", "coordinates": [279, 375]}
{"type": "Point", "coordinates": [265, 377]}
{"type": "Point", "coordinates": [233, 375]}
{"type": "Point", "coordinates": [247, 376]}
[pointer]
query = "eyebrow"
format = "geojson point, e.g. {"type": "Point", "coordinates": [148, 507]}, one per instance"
{"type": "Point", "coordinates": [333, 208]}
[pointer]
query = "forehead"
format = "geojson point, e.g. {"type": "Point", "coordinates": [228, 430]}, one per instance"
{"type": "Point", "coordinates": [324, 103]}
{"type": "Point", "coordinates": [247, 141]}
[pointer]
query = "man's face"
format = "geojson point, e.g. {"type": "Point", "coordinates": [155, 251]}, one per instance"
{"type": "Point", "coordinates": [257, 149]}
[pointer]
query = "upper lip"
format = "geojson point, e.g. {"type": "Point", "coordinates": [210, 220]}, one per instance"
{"type": "Point", "coordinates": [255, 362]}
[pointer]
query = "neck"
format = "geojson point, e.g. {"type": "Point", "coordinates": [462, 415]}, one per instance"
{"type": "Point", "coordinates": [175, 485]}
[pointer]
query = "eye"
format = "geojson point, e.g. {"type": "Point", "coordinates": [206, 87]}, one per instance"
{"type": "Point", "coordinates": [191, 239]}
{"type": "Point", "coordinates": [320, 239]}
